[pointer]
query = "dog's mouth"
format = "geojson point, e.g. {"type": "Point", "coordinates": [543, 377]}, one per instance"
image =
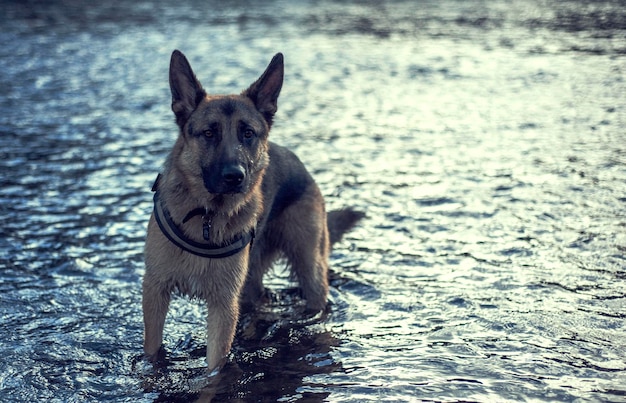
{"type": "Point", "coordinates": [224, 189]}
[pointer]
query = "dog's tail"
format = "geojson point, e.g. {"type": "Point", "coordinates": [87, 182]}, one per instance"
{"type": "Point", "coordinates": [341, 221]}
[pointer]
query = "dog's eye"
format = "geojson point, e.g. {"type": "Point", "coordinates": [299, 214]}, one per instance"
{"type": "Point", "coordinates": [248, 133]}
{"type": "Point", "coordinates": [208, 133]}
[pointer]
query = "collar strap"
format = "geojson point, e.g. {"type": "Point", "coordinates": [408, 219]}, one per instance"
{"type": "Point", "coordinates": [195, 212]}
{"type": "Point", "coordinates": [178, 237]}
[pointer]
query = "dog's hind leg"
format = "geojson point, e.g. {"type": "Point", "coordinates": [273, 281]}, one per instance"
{"type": "Point", "coordinates": [263, 254]}
{"type": "Point", "coordinates": [312, 274]}
{"type": "Point", "coordinates": [305, 242]}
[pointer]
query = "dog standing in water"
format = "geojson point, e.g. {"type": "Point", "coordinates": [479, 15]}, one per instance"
{"type": "Point", "coordinates": [227, 204]}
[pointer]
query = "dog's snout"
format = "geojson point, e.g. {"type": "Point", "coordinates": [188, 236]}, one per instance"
{"type": "Point", "coordinates": [233, 175]}
{"type": "Point", "coordinates": [225, 178]}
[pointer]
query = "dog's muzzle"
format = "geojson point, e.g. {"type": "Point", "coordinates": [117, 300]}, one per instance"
{"type": "Point", "coordinates": [229, 180]}
{"type": "Point", "coordinates": [233, 176]}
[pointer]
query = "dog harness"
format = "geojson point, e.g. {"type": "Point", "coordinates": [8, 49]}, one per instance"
{"type": "Point", "coordinates": [178, 237]}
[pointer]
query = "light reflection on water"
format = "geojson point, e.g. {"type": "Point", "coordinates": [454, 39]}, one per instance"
{"type": "Point", "coordinates": [485, 141]}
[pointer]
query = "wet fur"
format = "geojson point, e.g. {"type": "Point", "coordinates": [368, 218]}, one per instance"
{"type": "Point", "coordinates": [271, 191]}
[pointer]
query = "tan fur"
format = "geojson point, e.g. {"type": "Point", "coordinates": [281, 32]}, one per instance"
{"type": "Point", "coordinates": [271, 192]}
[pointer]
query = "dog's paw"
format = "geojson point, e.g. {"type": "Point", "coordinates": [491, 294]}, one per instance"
{"type": "Point", "coordinates": [157, 359]}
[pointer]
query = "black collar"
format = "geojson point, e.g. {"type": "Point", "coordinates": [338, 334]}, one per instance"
{"type": "Point", "coordinates": [203, 249]}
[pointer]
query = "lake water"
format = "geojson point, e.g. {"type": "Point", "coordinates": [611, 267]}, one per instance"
{"type": "Point", "coordinates": [485, 140]}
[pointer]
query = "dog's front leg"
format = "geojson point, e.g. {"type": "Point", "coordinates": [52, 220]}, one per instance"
{"type": "Point", "coordinates": [155, 304]}
{"type": "Point", "coordinates": [221, 323]}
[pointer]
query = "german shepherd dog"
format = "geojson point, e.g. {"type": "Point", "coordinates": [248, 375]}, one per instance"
{"type": "Point", "coordinates": [227, 204]}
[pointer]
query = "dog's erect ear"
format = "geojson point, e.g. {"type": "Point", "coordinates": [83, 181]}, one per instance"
{"type": "Point", "coordinates": [264, 91]}
{"type": "Point", "coordinates": [187, 92]}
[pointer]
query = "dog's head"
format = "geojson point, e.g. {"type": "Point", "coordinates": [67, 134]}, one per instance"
{"type": "Point", "coordinates": [222, 147]}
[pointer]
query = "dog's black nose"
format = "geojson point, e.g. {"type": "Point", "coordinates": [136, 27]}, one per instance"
{"type": "Point", "coordinates": [233, 175]}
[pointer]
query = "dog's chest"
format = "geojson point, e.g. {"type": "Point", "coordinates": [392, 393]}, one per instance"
{"type": "Point", "coordinates": [206, 278]}
{"type": "Point", "coordinates": [192, 286]}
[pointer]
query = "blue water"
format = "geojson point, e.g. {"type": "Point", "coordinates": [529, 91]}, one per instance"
{"type": "Point", "coordinates": [485, 140]}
